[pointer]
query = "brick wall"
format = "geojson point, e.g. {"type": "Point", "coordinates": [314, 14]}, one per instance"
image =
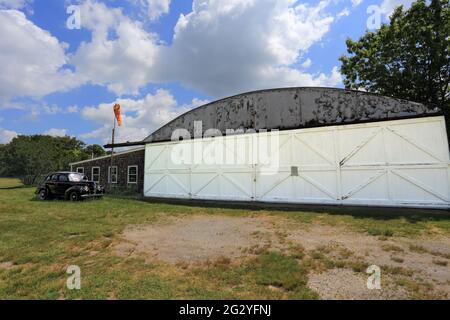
{"type": "Point", "coordinates": [122, 161]}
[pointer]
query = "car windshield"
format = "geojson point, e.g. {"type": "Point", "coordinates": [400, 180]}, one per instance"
{"type": "Point", "coordinates": [77, 177]}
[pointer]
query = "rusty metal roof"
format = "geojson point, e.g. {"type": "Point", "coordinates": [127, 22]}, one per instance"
{"type": "Point", "coordinates": [292, 108]}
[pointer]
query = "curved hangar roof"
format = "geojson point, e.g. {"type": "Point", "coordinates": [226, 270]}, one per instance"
{"type": "Point", "coordinates": [292, 108]}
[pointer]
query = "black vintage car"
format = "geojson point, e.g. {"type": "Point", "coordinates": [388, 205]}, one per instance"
{"type": "Point", "coordinates": [68, 185]}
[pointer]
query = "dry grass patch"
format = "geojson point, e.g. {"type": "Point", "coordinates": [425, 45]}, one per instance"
{"type": "Point", "coordinates": [398, 259]}
{"type": "Point", "coordinates": [421, 249]}
{"type": "Point", "coordinates": [8, 265]}
{"type": "Point", "coordinates": [441, 263]}
{"type": "Point", "coordinates": [198, 239]}
{"type": "Point", "coordinates": [391, 247]}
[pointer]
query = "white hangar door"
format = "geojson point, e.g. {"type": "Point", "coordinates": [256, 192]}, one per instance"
{"type": "Point", "coordinates": [211, 168]}
{"type": "Point", "coordinates": [399, 163]}
{"type": "Point", "coordinates": [306, 172]}
{"type": "Point", "coordinates": [390, 163]}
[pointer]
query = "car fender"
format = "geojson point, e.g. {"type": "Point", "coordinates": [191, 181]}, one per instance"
{"type": "Point", "coordinates": [77, 189]}
{"type": "Point", "coordinates": [38, 189]}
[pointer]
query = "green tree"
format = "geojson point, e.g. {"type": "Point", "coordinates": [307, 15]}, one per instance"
{"type": "Point", "coordinates": [94, 151]}
{"type": "Point", "coordinates": [31, 157]}
{"type": "Point", "coordinates": [407, 58]}
{"type": "Point", "coordinates": [28, 157]}
{"type": "Point", "coordinates": [2, 156]}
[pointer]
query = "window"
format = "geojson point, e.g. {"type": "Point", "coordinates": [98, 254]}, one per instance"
{"type": "Point", "coordinates": [63, 178]}
{"type": "Point", "coordinates": [75, 177]}
{"type": "Point", "coordinates": [95, 174]}
{"type": "Point", "coordinates": [80, 170]}
{"type": "Point", "coordinates": [112, 174]}
{"type": "Point", "coordinates": [132, 174]}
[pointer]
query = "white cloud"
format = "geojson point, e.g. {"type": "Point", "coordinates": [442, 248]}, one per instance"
{"type": "Point", "coordinates": [220, 48]}
{"type": "Point", "coordinates": [223, 48]}
{"type": "Point", "coordinates": [155, 8]}
{"type": "Point", "coordinates": [32, 59]}
{"type": "Point", "coordinates": [72, 109]}
{"type": "Point", "coordinates": [344, 13]}
{"type": "Point", "coordinates": [123, 63]}
{"type": "Point", "coordinates": [54, 132]}
{"type": "Point", "coordinates": [388, 6]}
{"type": "Point", "coordinates": [7, 135]}
{"type": "Point", "coordinates": [307, 63]}
{"type": "Point", "coordinates": [140, 117]}
{"type": "Point", "coordinates": [356, 3]}
{"type": "Point", "coordinates": [197, 103]}
{"type": "Point", "coordinates": [14, 4]}
{"type": "Point", "coordinates": [53, 109]}
{"type": "Point", "coordinates": [35, 109]}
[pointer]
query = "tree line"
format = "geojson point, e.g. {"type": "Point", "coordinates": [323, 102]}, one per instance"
{"type": "Point", "coordinates": [31, 157]}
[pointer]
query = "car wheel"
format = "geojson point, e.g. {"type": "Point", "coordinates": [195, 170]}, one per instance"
{"type": "Point", "coordinates": [73, 196]}
{"type": "Point", "coordinates": [43, 194]}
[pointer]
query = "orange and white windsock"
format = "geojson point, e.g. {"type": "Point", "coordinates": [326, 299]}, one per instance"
{"type": "Point", "coordinates": [117, 113]}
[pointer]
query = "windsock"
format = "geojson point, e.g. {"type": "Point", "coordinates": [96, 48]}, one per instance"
{"type": "Point", "coordinates": [117, 113]}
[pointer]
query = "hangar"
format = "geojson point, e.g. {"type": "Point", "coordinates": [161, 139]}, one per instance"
{"type": "Point", "coordinates": [303, 146]}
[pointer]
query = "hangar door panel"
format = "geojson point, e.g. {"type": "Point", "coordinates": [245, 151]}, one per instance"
{"type": "Point", "coordinates": [210, 168]}
{"type": "Point", "coordinates": [399, 163]}
{"type": "Point", "coordinates": [390, 163]}
{"type": "Point", "coordinates": [302, 170]}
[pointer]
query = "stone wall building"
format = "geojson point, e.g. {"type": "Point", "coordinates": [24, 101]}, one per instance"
{"type": "Point", "coordinates": [125, 171]}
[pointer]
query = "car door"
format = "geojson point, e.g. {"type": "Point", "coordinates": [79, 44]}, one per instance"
{"type": "Point", "coordinates": [52, 183]}
{"type": "Point", "coordinates": [63, 184]}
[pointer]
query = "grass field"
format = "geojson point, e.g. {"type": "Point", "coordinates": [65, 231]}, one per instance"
{"type": "Point", "coordinates": [40, 239]}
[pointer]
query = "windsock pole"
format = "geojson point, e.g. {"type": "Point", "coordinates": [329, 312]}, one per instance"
{"type": "Point", "coordinates": [118, 118]}
{"type": "Point", "coordinates": [112, 153]}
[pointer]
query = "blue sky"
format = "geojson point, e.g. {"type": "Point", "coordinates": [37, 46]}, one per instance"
{"type": "Point", "coordinates": [159, 58]}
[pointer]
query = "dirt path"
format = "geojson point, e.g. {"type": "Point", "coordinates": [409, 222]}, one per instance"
{"type": "Point", "coordinates": [196, 239]}
{"type": "Point", "coordinates": [336, 256]}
